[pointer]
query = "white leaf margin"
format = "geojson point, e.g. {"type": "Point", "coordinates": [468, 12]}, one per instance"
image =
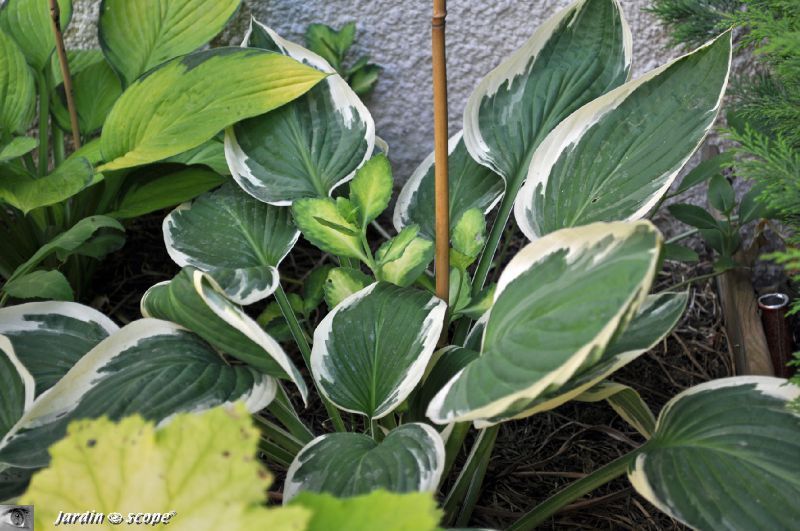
{"type": "Point", "coordinates": [575, 241]}
{"type": "Point", "coordinates": [430, 332]}
{"type": "Point", "coordinates": [28, 383]}
{"type": "Point", "coordinates": [571, 130]}
{"type": "Point", "coordinates": [515, 65]}
{"type": "Point", "coordinates": [347, 103]}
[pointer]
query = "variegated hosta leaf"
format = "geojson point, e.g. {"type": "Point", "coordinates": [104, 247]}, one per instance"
{"type": "Point", "coordinates": [304, 149]}
{"type": "Point", "coordinates": [152, 368]}
{"type": "Point", "coordinates": [29, 23]}
{"type": "Point", "coordinates": [17, 387]}
{"type": "Point", "coordinates": [471, 186]}
{"type": "Point", "coordinates": [626, 401]}
{"type": "Point", "coordinates": [49, 338]}
{"type": "Point", "coordinates": [237, 239]}
{"type": "Point", "coordinates": [577, 55]}
{"type": "Point", "coordinates": [445, 363]}
{"type": "Point", "coordinates": [655, 319]}
{"type": "Point", "coordinates": [138, 36]}
{"type": "Point", "coordinates": [372, 349]}
{"type": "Point", "coordinates": [17, 91]}
{"type": "Point", "coordinates": [409, 459]}
{"type": "Point", "coordinates": [186, 101]}
{"type": "Point", "coordinates": [192, 300]}
{"type": "Point", "coordinates": [558, 305]}
{"type": "Point", "coordinates": [724, 456]}
{"type": "Point", "coordinates": [617, 156]}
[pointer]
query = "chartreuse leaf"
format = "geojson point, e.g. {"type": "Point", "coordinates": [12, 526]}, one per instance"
{"type": "Point", "coordinates": [194, 301]}
{"type": "Point", "coordinates": [413, 511]}
{"type": "Point", "coordinates": [237, 239]}
{"type": "Point", "coordinates": [17, 387]}
{"type": "Point", "coordinates": [17, 91]}
{"type": "Point", "coordinates": [96, 87]}
{"type": "Point", "coordinates": [655, 319]}
{"type": "Point", "coordinates": [211, 154]}
{"type": "Point", "coordinates": [18, 146]}
{"type": "Point", "coordinates": [188, 100]}
{"type": "Point", "coordinates": [166, 191]}
{"type": "Point", "coordinates": [471, 186]}
{"type": "Point", "coordinates": [411, 264]}
{"type": "Point", "coordinates": [304, 149]}
{"type": "Point", "coordinates": [577, 55]}
{"type": "Point", "coordinates": [394, 248]}
{"type": "Point", "coordinates": [468, 238]}
{"type": "Point", "coordinates": [617, 156]}
{"type": "Point", "coordinates": [29, 23]}
{"type": "Point", "coordinates": [137, 36]}
{"type": "Point", "coordinates": [724, 456]}
{"type": "Point", "coordinates": [22, 190]}
{"type": "Point", "coordinates": [152, 368]}
{"type": "Point", "coordinates": [371, 189]}
{"type": "Point", "coordinates": [40, 285]}
{"type": "Point", "coordinates": [558, 305]}
{"type": "Point", "coordinates": [410, 458]}
{"type": "Point", "coordinates": [323, 224]}
{"type": "Point", "coordinates": [343, 282]}
{"type": "Point", "coordinates": [626, 402]}
{"type": "Point", "coordinates": [218, 484]}
{"type": "Point", "coordinates": [49, 338]}
{"type": "Point", "coordinates": [372, 349]}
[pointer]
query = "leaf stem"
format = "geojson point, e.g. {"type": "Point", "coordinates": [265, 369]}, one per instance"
{"type": "Point", "coordinates": [284, 411]}
{"type": "Point", "coordinates": [278, 435]}
{"type": "Point", "coordinates": [44, 117]}
{"type": "Point", "coordinates": [575, 490]}
{"type": "Point", "coordinates": [461, 500]}
{"type": "Point", "coordinates": [305, 350]}
{"type": "Point", "coordinates": [693, 280]}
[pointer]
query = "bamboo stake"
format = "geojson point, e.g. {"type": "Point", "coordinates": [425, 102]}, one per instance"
{"type": "Point", "coordinates": [55, 19]}
{"type": "Point", "coordinates": [440, 140]}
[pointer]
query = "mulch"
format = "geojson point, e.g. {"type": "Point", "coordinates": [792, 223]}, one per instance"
{"type": "Point", "coordinates": [534, 457]}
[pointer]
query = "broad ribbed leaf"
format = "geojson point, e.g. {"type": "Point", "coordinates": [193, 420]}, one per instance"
{"type": "Point", "coordinates": [50, 337]}
{"type": "Point", "coordinates": [724, 456]}
{"type": "Point", "coordinates": [617, 156]}
{"type": "Point", "coordinates": [239, 240]}
{"type": "Point", "coordinates": [18, 146]}
{"type": "Point", "coordinates": [17, 387]}
{"type": "Point", "coordinates": [17, 91]}
{"type": "Point", "coordinates": [137, 36]}
{"type": "Point", "coordinates": [29, 23]}
{"type": "Point", "coordinates": [188, 100]}
{"type": "Point", "coordinates": [96, 88]}
{"type": "Point", "coordinates": [199, 470]}
{"type": "Point", "coordinates": [471, 186]}
{"type": "Point", "coordinates": [575, 56]}
{"type": "Point", "coordinates": [193, 301]}
{"type": "Point", "coordinates": [372, 349]}
{"type": "Point", "coordinates": [40, 284]}
{"type": "Point", "coordinates": [152, 368]}
{"type": "Point", "coordinates": [558, 305]}
{"type": "Point", "coordinates": [22, 190]}
{"type": "Point", "coordinates": [410, 458]}
{"type": "Point", "coordinates": [307, 148]}
{"type": "Point", "coordinates": [656, 318]}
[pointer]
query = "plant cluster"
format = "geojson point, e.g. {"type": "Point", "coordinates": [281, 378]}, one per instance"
{"type": "Point", "coordinates": [558, 134]}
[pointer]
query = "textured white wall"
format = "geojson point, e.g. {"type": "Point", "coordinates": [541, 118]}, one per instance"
{"type": "Point", "coordinates": [397, 35]}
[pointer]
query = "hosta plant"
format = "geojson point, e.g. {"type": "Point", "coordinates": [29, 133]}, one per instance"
{"type": "Point", "coordinates": [582, 155]}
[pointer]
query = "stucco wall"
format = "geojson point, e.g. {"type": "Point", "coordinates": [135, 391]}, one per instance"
{"type": "Point", "coordinates": [397, 35]}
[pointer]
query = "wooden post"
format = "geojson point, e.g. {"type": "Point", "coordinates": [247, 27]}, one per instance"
{"type": "Point", "coordinates": [55, 19]}
{"type": "Point", "coordinates": [440, 139]}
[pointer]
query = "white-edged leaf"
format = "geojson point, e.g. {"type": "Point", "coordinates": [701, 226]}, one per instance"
{"type": "Point", "coordinates": [307, 148]}
{"type": "Point", "coordinates": [471, 186]}
{"type": "Point", "coordinates": [50, 337]}
{"type": "Point", "coordinates": [371, 351]}
{"type": "Point", "coordinates": [17, 90]}
{"type": "Point", "coordinates": [615, 158]}
{"type": "Point", "coordinates": [578, 54]}
{"type": "Point", "coordinates": [186, 101]}
{"type": "Point", "coordinates": [152, 368]}
{"type": "Point", "coordinates": [137, 36]}
{"type": "Point", "coordinates": [724, 456]}
{"type": "Point", "coordinates": [626, 401]}
{"type": "Point", "coordinates": [656, 318]}
{"type": "Point", "coordinates": [29, 23]}
{"type": "Point", "coordinates": [239, 240]}
{"type": "Point", "coordinates": [17, 387]}
{"type": "Point", "coordinates": [193, 300]}
{"type": "Point", "coordinates": [409, 459]}
{"type": "Point", "coordinates": [558, 304]}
